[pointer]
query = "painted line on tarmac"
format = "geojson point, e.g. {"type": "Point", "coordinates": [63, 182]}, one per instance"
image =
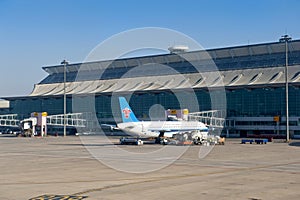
{"type": "Point", "coordinates": [59, 197]}
{"type": "Point", "coordinates": [51, 156]}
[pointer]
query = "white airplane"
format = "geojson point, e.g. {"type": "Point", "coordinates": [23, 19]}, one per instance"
{"type": "Point", "coordinates": [132, 126]}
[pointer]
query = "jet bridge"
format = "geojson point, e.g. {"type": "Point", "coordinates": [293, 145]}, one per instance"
{"type": "Point", "coordinates": [9, 120]}
{"type": "Point", "coordinates": [72, 119]}
{"type": "Point", "coordinates": [211, 118]}
{"type": "Point", "coordinates": [38, 122]}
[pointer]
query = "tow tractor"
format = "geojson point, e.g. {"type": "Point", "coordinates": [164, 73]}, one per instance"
{"type": "Point", "coordinates": [199, 137]}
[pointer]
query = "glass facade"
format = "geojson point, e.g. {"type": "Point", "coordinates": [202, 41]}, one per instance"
{"type": "Point", "coordinates": [240, 102]}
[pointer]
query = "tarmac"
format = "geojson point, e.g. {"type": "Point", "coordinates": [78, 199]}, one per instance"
{"type": "Point", "coordinates": [72, 168]}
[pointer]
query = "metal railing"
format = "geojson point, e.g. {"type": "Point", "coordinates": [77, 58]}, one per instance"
{"type": "Point", "coordinates": [212, 118]}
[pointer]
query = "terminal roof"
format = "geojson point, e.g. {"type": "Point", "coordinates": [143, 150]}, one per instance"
{"type": "Point", "coordinates": [214, 54]}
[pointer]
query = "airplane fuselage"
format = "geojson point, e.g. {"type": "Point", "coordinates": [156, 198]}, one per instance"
{"type": "Point", "coordinates": [154, 128]}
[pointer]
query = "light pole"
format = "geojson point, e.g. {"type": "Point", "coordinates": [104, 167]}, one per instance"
{"type": "Point", "coordinates": [65, 63]}
{"type": "Point", "coordinates": [286, 39]}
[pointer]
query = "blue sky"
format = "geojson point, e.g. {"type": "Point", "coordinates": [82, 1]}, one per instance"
{"type": "Point", "coordinates": [36, 33]}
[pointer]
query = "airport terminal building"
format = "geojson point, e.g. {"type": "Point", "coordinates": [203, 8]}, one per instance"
{"type": "Point", "coordinates": [252, 77]}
